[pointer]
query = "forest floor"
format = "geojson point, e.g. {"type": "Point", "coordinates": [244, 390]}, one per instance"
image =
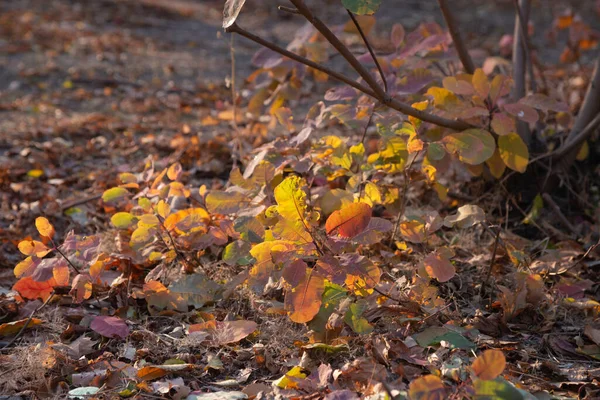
{"type": "Point", "coordinates": [93, 88]}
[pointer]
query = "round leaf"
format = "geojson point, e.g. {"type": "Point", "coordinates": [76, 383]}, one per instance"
{"type": "Point", "coordinates": [489, 365]}
{"type": "Point", "coordinates": [44, 227]}
{"type": "Point", "coordinates": [473, 146]}
{"type": "Point", "coordinates": [123, 220]}
{"type": "Point", "coordinates": [350, 220]}
{"type": "Point", "coordinates": [429, 387]}
{"type": "Point", "coordinates": [513, 152]}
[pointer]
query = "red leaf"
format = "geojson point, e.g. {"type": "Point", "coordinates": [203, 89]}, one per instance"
{"type": "Point", "coordinates": [30, 289]}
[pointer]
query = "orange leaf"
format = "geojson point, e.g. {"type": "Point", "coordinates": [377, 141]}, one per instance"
{"type": "Point", "coordinates": [304, 301]}
{"type": "Point", "coordinates": [350, 220]}
{"type": "Point", "coordinates": [44, 227]}
{"type": "Point", "coordinates": [30, 289]}
{"type": "Point", "coordinates": [489, 365]}
{"type": "Point", "coordinates": [428, 387]}
{"type": "Point", "coordinates": [33, 247]}
{"type": "Point", "coordinates": [151, 373]}
{"type": "Point", "coordinates": [439, 267]}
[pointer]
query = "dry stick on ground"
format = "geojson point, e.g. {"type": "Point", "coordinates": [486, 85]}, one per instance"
{"type": "Point", "coordinates": [373, 56]}
{"type": "Point", "coordinates": [559, 213]}
{"type": "Point", "coordinates": [494, 251]}
{"type": "Point", "coordinates": [392, 103]}
{"type": "Point", "coordinates": [519, 65]}
{"type": "Point", "coordinates": [459, 44]}
{"type": "Point", "coordinates": [14, 339]}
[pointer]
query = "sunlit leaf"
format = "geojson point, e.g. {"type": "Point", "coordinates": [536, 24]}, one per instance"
{"type": "Point", "coordinates": [14, 327]}
{"type": "Point", "coordinates": [513, 152]}
{"type": "Point", "coordinates": [114, 195]}
{"type": "Point", "coordinates": [473, 146]}
{"type": "Point", "coordinates": [489, 365]}
{"type": "Point", "coordinates": [33, 248]}
{"type": "Point", "coordinates": [428, 387]}
{"type": "Point", "coordinates": [31, 289]}
{"type": "Point", "coordinates": [303, 301]}
{"type": "Point", "coordinates": [27, 266]}
{"type": "Point", "coordinates": [44, 227]}
{"type": "Point", "coordinates": [123, 220]}
{"type": "Point", "coordinates": [291, 198]}
{"type": "Point", "coordinates": [218, 202]}
{"type": "Point", "coordinates": [188, 221]}
{"type": "Point", "coordinates": [349, 221]}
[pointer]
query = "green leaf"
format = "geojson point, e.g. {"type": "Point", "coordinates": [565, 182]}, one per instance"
{"type": "Point", "coordinates": [473, 146]}
{"type": "Point", "coordinates": [497, 389]}
{"type": "Point", "coordinates": [354, 318]}
{"type": "Point", "coordinates": [113, 195]}
{"type": "Point", "coordinates": [514, 152]}
{"type": "Point", "coordinates": [456, 341]}
{"type": "Point", "coordinates": [362, 7]}
{"type": "Point", "coordinates": [123, 220]}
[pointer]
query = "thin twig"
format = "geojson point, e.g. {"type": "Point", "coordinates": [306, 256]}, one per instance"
{"type": "Point", "coordinates": [66, 258]}
{"type": "Point", "coordinates": [395, 104]}
{"type": "Point", "coordinates": [373, 56]}
{"type": "Point", "coordinates": [488, 274]}
{"type": "Point", "coordinates": [362, 140]}
{"type": "Point", "coordinates": [14, 339]}
{"type": "Point", "coordinates": [404, 198]}
{"type": "Point", "coordinates": [559, 213]}
{"type": "Point", "coordinates": [577, 140]}
{"type": "Point", "coordinates": [459, 44]}
{"type": "Point", "coordinates": [340, 47]}
{"type": "Point", "coordinates": [79, 202]}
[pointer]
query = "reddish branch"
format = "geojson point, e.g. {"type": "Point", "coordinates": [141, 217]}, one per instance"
{"type": "Point", "coordinates": [459, 44]}
{"type": "Point", "coordinates": [395, 104]}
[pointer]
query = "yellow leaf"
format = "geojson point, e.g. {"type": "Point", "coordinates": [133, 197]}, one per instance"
{"type": "Point", "coordinates": [12, 328]}
{"type": "Point", "coordinates": [44, 227]}
{"type": "Point", "coordinates": [291, 198]}
{"type": "Point", "coordinates": [33, 248]}
{"type": "Point", "coordinates": [496, 165]}
{"type": "Point", "coordinates": [289, 380]}
{"type": "Point", "coordinates": [304, 301]}
{"type": "Point", "coordinates": [513, 152]}
{"type": "Point", "coordinates": [584, 151]}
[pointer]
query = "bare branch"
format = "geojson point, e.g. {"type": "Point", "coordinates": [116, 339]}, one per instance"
{"type": "Point", "coordinates": [461, 48]}
{"type": "Point", "coordinates": [341, 48]}
{"type": "Point", "coordinates": [519, 65]}
{"type": "Point", "coordinates": [364, 38]}
{"type": "Point", "coordinates": [526, 46]}
{"type": "Point", "coordinates": [395, 104]}
{"type": "Point", "coordinates": [571, 147]}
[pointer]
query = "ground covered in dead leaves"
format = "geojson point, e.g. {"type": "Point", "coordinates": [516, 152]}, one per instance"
{"type": "Point", "coordinates": [94, 95]}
